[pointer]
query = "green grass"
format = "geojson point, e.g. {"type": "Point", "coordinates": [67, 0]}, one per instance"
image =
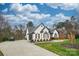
{"type": "Point", "coordinates": [1, 54]}
{"type": "Point", "coordinates": [57, 48]}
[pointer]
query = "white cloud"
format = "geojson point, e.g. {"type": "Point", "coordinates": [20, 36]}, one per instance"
{"type": "Point", "coordinates": [64, 6]}
{"type": "Point", "coordinates": [21, 18]}
{"type": "Point", "coordinates": [69, 6]}
{"type": "Point", "coordinates": [16, 7]}
{"type": "Point", "coordinates": [23, 8]}
{"type": "Point", "coordinates": [62, 17]}
{"type": "Point", "coordinates": [27, 14]}
{"type": "Point", "coordinates": [29, 7]}
{"type": "Point", "coordinates": [15, 19]}
{"type": "Point", "coordinates": [57, 18]}
{"type": "Point", "coordinates": [37, 16]}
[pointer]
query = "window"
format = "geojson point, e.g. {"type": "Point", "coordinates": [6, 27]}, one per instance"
{"type": "Point", "coordinates": [35, 35]}
{"type": "Point", "coordinates": [46, 35]}
{"type": "Point", "coordinates": [38, 35]}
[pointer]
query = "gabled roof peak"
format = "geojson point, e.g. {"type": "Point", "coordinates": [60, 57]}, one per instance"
{"type": "Point", "coordinates": [41, 24]}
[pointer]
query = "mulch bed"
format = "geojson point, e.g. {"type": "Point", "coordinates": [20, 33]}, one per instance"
{"type": "Point", "coordinates": [74, 46]}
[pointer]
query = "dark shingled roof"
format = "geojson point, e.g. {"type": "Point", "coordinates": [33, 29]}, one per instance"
{"type": "Point", "coordinates": [44, 28]}
{"type": "Point", "coordinates": [32, 29]}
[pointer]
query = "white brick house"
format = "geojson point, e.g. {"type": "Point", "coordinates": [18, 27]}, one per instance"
{"type": "Point", "coordinates": [40, 33]}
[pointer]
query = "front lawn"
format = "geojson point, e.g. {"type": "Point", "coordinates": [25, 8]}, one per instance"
{"type": "Point", "coordinates": [1, 54]}
{"type": "Point", "coordinates": [59, 48]}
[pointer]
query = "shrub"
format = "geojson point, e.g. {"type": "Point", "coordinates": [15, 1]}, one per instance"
{"type": "Point", "coordinates": [5, 39]}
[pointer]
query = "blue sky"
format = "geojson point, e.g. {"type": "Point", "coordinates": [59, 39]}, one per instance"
{"type": "Point", "coordinates": [48, 14]}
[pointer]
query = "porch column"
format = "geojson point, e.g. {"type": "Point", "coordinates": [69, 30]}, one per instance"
{"type": "Point", "coordinates": [42, 37]}
{"type": "Point", "coordinates": [33, 37]}
{"type": "Point", "coordinates": [27, 37]}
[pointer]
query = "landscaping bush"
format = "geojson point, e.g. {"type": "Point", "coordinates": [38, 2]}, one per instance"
{"type": "Point", "coordinates": [5, 39]}
{"type": "Point", "coordinates": [2, 39]}
{"type": "Point", "coordinates": [11, 39]}
{"type": "Point", "coordinates": [77, 36]}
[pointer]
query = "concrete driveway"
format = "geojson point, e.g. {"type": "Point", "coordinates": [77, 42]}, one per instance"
{"type": "Point", "coordinates": [23, 48]}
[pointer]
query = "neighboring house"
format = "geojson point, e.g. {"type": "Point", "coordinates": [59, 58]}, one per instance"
{"type": "Point", "coordinates": [39, 33]}
{"type": "Point", "coordinates": [62, 33]}
{"type": "Point", "coordinates": [59, 34]}
{"type": "Point", "coordinates": [55, 34]}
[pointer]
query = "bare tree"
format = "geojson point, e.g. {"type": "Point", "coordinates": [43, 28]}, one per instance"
{"type": "Point", "coordinates": [30, 24]}
{"type": "Point", "coordinates": [2, 22]}
{"type": "Point", "coordinates": [19, 35]}
{"type": "Point", "coordinates": [70, 27]}
{"type": "Point", "coordinates": [5, 29]}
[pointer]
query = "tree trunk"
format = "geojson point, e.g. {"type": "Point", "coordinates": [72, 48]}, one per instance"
{"type": "Point", "coordinates": [71, 37]}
